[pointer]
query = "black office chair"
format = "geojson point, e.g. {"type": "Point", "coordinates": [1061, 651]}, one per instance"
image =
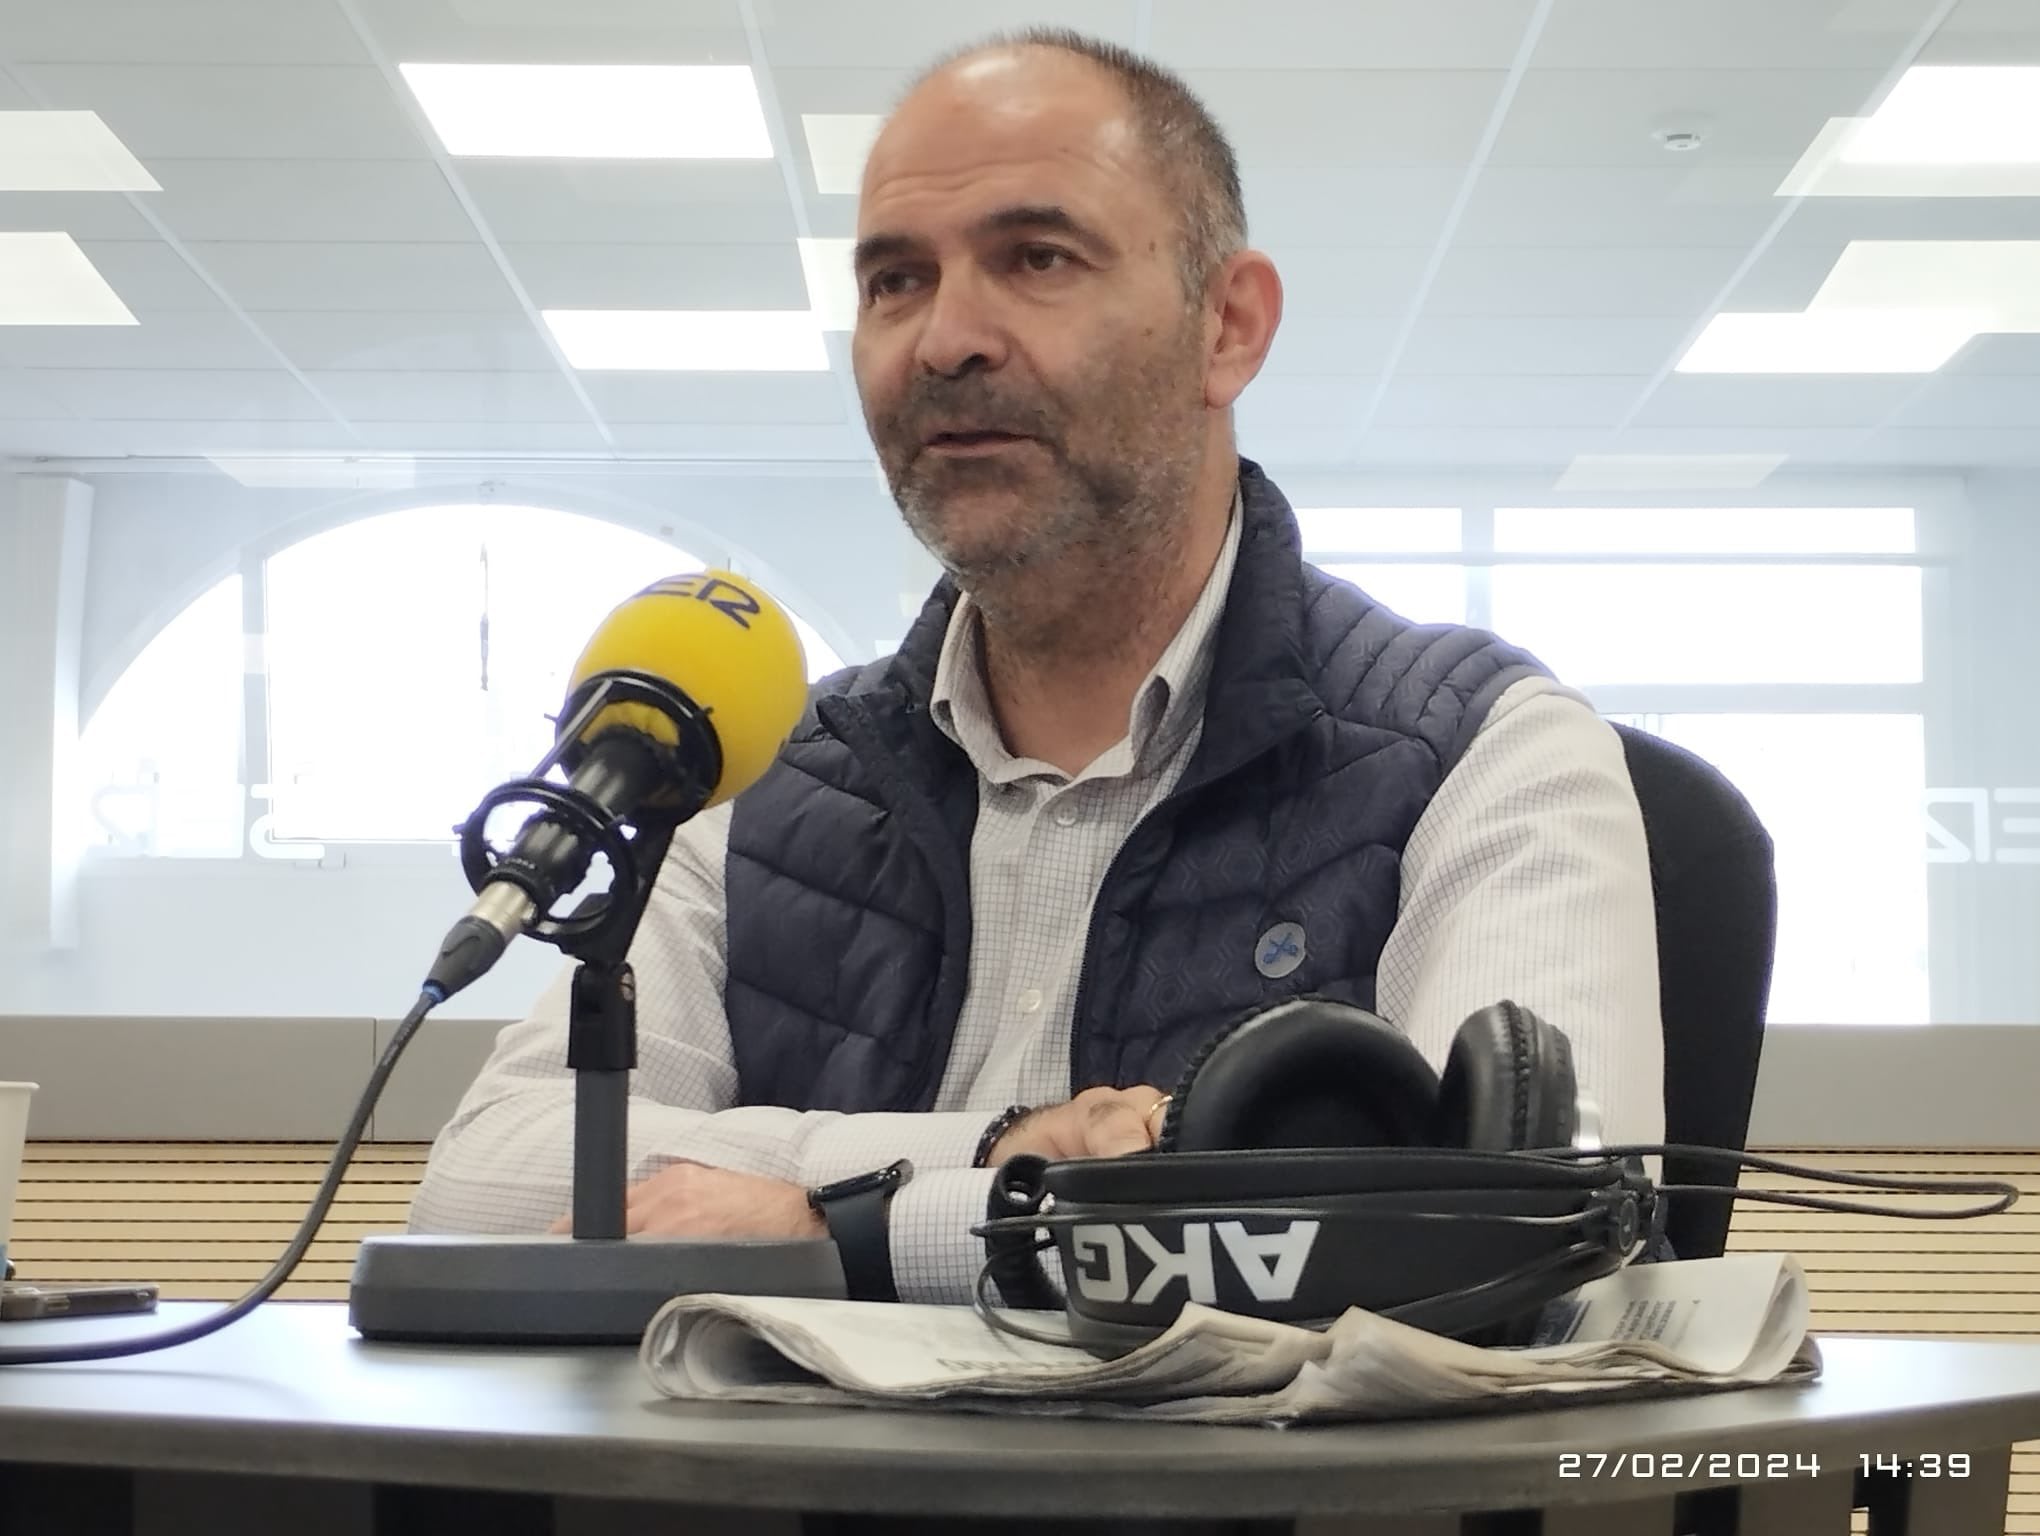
{"type": "Point", "coordinates": [1716, 895]}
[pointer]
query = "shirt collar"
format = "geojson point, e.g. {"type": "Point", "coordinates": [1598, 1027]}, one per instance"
{"type": "Point", "coordinates": [1168, 703]}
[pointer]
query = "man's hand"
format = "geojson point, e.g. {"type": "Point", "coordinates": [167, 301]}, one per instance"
{"type": "Point", "coordinates": [695, 1200]}
{"type": "Point", "coordinates": [1099, 1122]}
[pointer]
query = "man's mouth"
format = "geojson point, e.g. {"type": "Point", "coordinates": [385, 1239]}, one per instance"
{"type": "Point", "coordinates": [973, 439]}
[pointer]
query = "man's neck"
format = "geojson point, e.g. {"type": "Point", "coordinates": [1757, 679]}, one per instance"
{"type": "Point", "coordinates": [1064, 657]}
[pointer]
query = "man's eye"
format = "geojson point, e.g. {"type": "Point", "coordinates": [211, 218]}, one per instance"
{"type": "Point", "coordinates": [887, 284]}
{"type": "Point", "coordinates": [1043, 258]}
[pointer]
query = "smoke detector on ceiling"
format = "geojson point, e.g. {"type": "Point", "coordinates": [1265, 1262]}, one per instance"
{"type": "Point", "coordinates": [1680, 141]}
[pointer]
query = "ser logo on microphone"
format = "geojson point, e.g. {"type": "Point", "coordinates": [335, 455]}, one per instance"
{"type": "Point", "coordinates": [1269, 1264]}
{"type": "Point", "coordinates": [726, 598]}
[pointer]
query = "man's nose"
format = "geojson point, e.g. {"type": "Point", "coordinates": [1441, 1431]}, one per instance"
{"type": "Point", "coordinates": [959, 330]}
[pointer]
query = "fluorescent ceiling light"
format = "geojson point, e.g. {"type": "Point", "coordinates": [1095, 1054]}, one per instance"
{"type": "Point", "coordinates": [691, 340]}
{"type": "Point", "coordinates": [2001, 276]}
{"type": "Point", "coordinates": [1668, 471]}
{"type": "Point", "coordinates": [1833, 341]}
{"type": "Point", "coordinates": [831, 284]}
{"type": "Point", "coordinates": [1826, 170]}
{"type": "Point", "coordinates": [66, 152]}
{"type": "Point", "coordinates": [380, 474]}
{"type": "Point", "coordinates": [46, 280]}
{"type": "Point", "coordinates": [594, 111]}
{"type": "Point", "coordinates": [1954, 114]}
{"type": "Point", "coordinates": [838, 145]}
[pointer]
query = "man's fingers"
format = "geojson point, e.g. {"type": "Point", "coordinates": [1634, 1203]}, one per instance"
{"type": "Point", "coordinates": [1115, 1129]}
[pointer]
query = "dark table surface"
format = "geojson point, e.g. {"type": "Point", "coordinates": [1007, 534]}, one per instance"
{"type": "Point", "coordinates": [292, 1391]}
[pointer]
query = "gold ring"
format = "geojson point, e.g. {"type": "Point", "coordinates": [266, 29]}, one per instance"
{"type": "Point", "coordinates": [1160, 1106]}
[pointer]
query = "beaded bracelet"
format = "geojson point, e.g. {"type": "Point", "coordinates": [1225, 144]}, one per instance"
{"type": "Point", "coordinates": [1009, 1117]}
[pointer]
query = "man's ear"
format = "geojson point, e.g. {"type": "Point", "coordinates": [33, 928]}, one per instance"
{"type": "Point", "coordinates": [1246, 309]}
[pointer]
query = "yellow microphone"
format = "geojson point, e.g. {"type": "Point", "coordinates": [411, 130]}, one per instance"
{"type": "Point", "coordinates": [680, 700]}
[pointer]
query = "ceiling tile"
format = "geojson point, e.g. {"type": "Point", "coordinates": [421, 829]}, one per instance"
{"type": "Point", "coordinates": [339, 200]}
{"type": "Point", "coordinates": [197, 439]}
{"type": "Point", "coordinates": [660, 276]}
{"type": "Point", "coordinates": [1785, 277]}
{"type": "Point", "coordinates": [147, 274]}
{"type": "Point", "coordinates": [1461, 446]}
{"type": "Point", "coordinates": [1506, 345]}
{"type": "Point", "coordinates": [1619, 205]}
{"type": "Point", "coordinates": [1380, 205]}
{"type": "Point", "coordinates": [676, 399]}
{"type": "Point", "coordinates": [1526, 401]}
{"type": "Point", "coordinates": [21, 399]}
{"type": "Point", "coordinates": [826, 444]}
{"type": "Point", "coordinates": [1358, 35]}
{"type": "Point", "coordinates": [413, 342]}
{"type": "Point", "coordinates": [1998, 354]}
{"type": "Point", "coordinates": [449, 397]}
{"type": "Point", "coordinates": [1987, 32]}
{"type": "Point", "coordinates": [1817, 445]}
{"type": "Point", "coordinates": [828, 33]}
{"type": "Point", "coordinates": [525, 202]}
{"type": "Point", "coordinates": [1744, 400]}
{"type": "Point", "coordinates": [82, 215]}
{"type": "Point", "coordinates": [168, 339]}
{"type": "Point", "coordinates": [1320, 281]}
{"type": "Point", "coordinates": [547, 32]}
{"type": "Point", "coordinates": [201, 112]}
{"type": "Point", "coordinates": [1583, 283]}
{"type": "Point", "coordinates": [188, 32]}
{"type": "Point", "coordinates": [481, 437]}
{"type": "Point", "coordinates": [1332, 401]}
{"type": "Point", "coordinates": [1730, 34]}
{"type": "Point", "coordinates": [120, 394]}
{"type": "Point", "coordinates": [50, 438]}
{"type": "Point", "coordinates": [1312, 118]}
{"type": "Point", "coordinates": [1608, 117]}
{"type": "Point", "coordinates": [1952, 447]}
{"type": "Point", "coordinates": [1331, 344]}
{"type": "Point", "coordinates": [1972, 400]}
{"type": "Point", "coordinates": [1835, 221]}
{"type": "Point", "coordinates": [433, 278]}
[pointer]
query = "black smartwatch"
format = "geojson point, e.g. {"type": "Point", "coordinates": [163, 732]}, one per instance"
{"type": "Point", "coordinates": [855, 1212]}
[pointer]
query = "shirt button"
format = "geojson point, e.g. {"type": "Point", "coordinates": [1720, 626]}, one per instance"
{"type": "Point", "coordinates": [1066, 815]}
{"type": "Point", "coordinates": [1030, 1000]}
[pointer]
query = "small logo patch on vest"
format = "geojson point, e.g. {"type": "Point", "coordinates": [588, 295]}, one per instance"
{"type": "Point", "coordinates": [1279, 950]}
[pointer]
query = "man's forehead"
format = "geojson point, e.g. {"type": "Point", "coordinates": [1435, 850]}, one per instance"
{"type": "Point", "coordinates": [1010, 111]}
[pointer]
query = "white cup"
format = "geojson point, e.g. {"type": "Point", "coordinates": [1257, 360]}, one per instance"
{"type": "Point", "coordinates": [13, 1141]}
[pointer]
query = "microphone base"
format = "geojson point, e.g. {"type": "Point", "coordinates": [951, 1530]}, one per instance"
{"type": "Point", "coordinates": [563, 1290]}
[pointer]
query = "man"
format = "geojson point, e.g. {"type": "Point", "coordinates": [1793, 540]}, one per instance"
{"type": "Point", "coordinates": [1142, 772]}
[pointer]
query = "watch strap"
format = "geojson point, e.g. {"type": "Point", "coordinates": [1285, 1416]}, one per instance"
{"type": "Point", "coordinates": [857, 1213]}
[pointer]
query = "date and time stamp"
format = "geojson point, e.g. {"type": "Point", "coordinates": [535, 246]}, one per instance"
{"type": "Point", "coordinates": [1754, 1466]}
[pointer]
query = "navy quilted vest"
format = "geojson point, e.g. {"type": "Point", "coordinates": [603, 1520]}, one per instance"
{"type": "Point", "coordinates": [1328, 726]}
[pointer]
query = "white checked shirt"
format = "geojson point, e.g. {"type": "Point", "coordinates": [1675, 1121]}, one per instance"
{"type": "Point", "coordinates": [1526, 877]}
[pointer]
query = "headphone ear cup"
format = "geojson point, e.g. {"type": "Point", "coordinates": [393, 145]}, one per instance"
{"type": "Point", "coordinates": [1311, 1072]}
{"type": "Point", "coordinates": [1508, 1084]}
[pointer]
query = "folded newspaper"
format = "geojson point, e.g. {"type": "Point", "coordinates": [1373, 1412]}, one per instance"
{"type": "Point", "coordinates": [1647, 1330]}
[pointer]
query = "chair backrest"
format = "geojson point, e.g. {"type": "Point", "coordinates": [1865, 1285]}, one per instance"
{"type": "Point", "coordinates": [1712, 879]}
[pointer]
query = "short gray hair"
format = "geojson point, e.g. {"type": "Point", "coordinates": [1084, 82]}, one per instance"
{"type": "Point", "coordinates": [1190, 154]}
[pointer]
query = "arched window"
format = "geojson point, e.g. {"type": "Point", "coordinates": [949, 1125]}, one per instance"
{"type": "Point", "coordinates": [410, 661]}
{"type": "Point", "coordinates": [161, 755]}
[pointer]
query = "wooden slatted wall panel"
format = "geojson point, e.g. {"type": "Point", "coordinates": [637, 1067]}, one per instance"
{"type": "Point", "coordinates": [205, 1220]}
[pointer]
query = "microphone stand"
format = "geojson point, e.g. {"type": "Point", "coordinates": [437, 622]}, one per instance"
{"type": "Point", "coordinates": [599, 1285]}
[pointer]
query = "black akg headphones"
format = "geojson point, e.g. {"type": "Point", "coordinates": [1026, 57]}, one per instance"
{"type": "Point", "coordinates": [1312, 1161]}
